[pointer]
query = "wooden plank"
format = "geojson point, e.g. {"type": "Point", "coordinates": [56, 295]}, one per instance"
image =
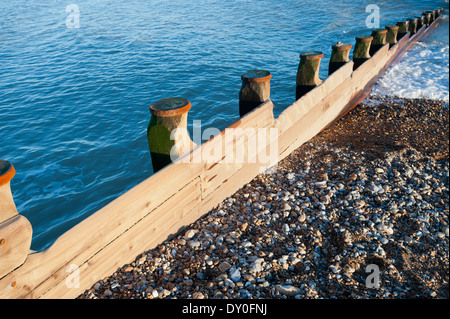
{"type": "Point", "coordinates": [15, 241]}
{"type": "Point", "coordinates": [315, 120]}
{"type": "Point", "coordinates": [144, 235]}
{"type": "Point", "coordinates": [238, 146]}
{"type": "Point", "coordinates": [259, 117]}
{"type": "Point", "coordinates": [233, 145]}
{"type": "Point", "coordinates": [337, 77]}
{"type": "Point", "coordinates": [7, 205]}
{"type": "Point", "coordinates": [418, 35]}
{"type": "Point", "coordinates": [370, 68]}
{"type": "Point", "coordinates": [241, 177]}
{"type": "Point", "coordinates": [302, 106]}
{"type": "Point", "coordinates": [95, 232]}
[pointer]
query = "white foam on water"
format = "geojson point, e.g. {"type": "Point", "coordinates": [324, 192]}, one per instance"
{"type": "Point", "coordinates": [421, 73]}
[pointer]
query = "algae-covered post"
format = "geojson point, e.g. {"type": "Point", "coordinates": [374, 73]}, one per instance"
{"type": "Point", "coordinates": [427, 17]}
{"type": "Point", "coordinates": [431, 13]}
{"type": "Point", "coordinates": [420, 21]}
{"type": "Point", "coordinates": [379, 40]}
{"type": "Point", "coordinates": [361, 53]}
{"type": "Point", "coordinates": [167, 133]}
{"type": "Point", "coordinates": [308, 72]}
{"type": "Point", "coordinates": [15, 230]}
{"type": "Point", "coordinates": [391, 36]}
{"type": "Point", "coordinates": [437, 13]}
{"type": "Point", "coordinates": [412, 26]}
{"type": "Point", "coordinates": [339, 56]}
{"type": "Point", "coordinates": [7, 206]}
{"type": "Point", "coordinates": [255, 89]}
{"type": "Point", "coordinates": [403, 27]}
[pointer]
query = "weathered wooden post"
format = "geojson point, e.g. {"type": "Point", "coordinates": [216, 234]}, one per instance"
{"type": "Point", "coordinates": [434, 14]}
{"type": "Point", "coordinates": [255, 89]}
{"type": "Point", "coordinates": [433, 17]}
{"type": "Point", "coordinates": [379, 39]}
{"type": "Point", "coordinates": [420, 21]}
{"type": "Point", "coordinates": [167, 133]}
{"type": "Point", "coordinates": [391, 36]}
{"type": "Point", "coordinates": [15, 230]}
{"type": "Point", "coordinates": [403, 27]}
{"type": "Point", "coordinates": [339, 56]}
{"type": "Point", "coordinates": [361, 53]}
{"type": "Point", "coordinates": [412, 26]}
{"type": "Point", "coordinates": [431, 13]}
{"type": "Point", "coordinates": [427, 17]}
{"type": "Point", "coordinates": [308, 72]}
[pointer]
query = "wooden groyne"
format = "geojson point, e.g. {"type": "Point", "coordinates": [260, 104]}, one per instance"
{"type": "Point", "coordinates": [181, 192]}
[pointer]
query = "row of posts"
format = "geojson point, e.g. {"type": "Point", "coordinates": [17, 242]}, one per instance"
{"type": "Point", "coordinates": [171, 113]}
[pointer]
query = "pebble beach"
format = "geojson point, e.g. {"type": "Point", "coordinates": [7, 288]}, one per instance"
{"type": "Point", "coordinates": [358, 212]}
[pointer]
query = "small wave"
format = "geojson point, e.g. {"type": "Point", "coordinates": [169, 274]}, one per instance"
{"type": "Point", "coordinates": [421, 73]}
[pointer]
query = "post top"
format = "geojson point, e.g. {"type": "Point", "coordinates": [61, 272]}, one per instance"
{"type": "Point", "coordinates": [7, 172]}
{"type": "Point", "coordinates": [341, 46]}
{"type": "Point", "coordinates": [256, 76]}
{"type": "Point", "coordinates": [377, 31]}
{"type": "Point", "coordinates": [311, 55]}
{"type": "Point", "coordinates": [402, 22]}
{"type": "Point", "coordinates": [364, 38]}
{"type": "Point", "coordinates": [170, 106]}
{"type": "Point", "coordinates": [392, 27]}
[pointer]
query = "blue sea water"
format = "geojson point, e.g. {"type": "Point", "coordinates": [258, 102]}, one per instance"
{"type": "Point", "coordinates": [74, 101]}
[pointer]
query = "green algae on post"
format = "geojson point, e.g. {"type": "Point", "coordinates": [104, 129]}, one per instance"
{"type": "Point", "coordinates": [255, 89]}
{"type": "Point", "coordinates": [308, 72]}
{"type": "Point", "coordinates": [403, 27]}
{"type": "Point", "coordinates": [168, 116]}
{"type": "Point", "coordinates": [391, 36]}
{"type": "Point", "coordinates": [412, 26]}
{"type": "Point", "coordinates": [339, 56]}
{"type": "Point", "coordinates": [379, 39]}
{"type": "Point", "coordinates": [361, 53]}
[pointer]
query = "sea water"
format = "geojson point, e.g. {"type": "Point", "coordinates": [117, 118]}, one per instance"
{"type": "Point", "coordinates": [422, 72]}
{"type": "Point", "coordinates": [74, 93]}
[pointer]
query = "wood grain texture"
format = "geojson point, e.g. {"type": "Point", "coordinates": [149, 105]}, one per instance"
{"type": "Point", "coordinates": [7, 205]}
{"type": "Point", "coordinates": [15, 241]}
